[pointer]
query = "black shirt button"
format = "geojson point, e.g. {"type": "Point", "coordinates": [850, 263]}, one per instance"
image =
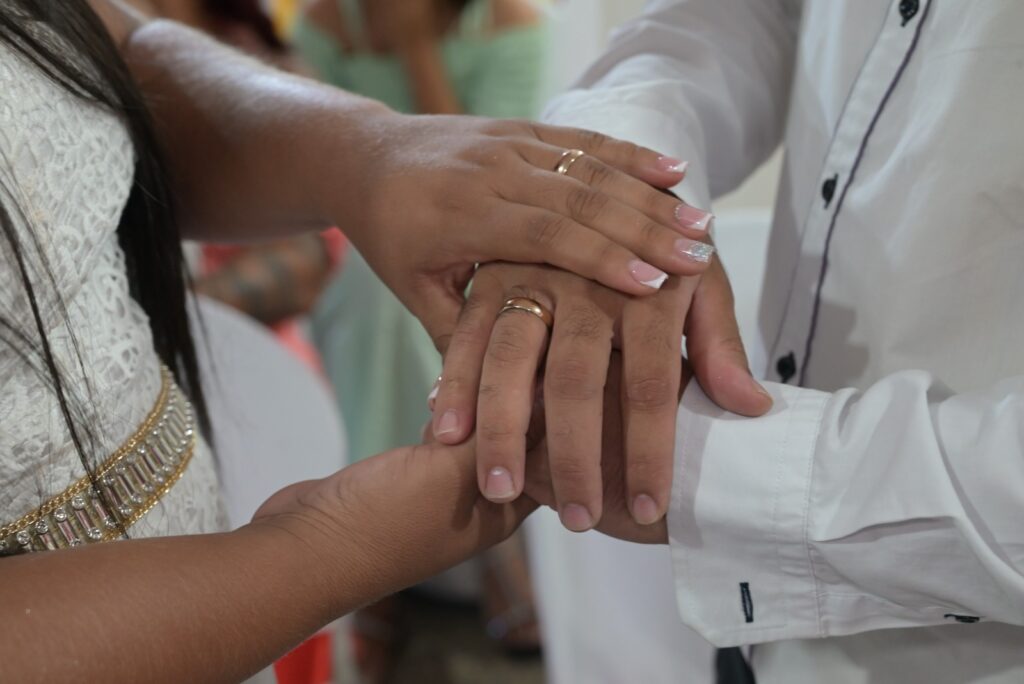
{"type": "Point", "coordinates": [786, 367]}
{"type": "Point", "coordinates": [828, 189]}
{"type": "Point", "coordinates": [908, 9]}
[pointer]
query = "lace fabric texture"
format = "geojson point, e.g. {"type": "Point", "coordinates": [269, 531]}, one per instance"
{"type": "Point", "coordinates": [66, 170]}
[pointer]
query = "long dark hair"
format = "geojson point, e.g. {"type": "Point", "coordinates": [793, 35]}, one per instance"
{"type": "Point", "coordinates": [86, 62]}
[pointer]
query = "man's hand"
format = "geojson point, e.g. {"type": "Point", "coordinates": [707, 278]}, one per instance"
{"type": "Point", "coordinates": [616, 520]}
{"type": "Point", "coordinates": [491, 379]}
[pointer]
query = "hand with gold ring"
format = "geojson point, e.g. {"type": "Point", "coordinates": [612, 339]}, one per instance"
{"type": "Point", "coordinates": [495, 366]}
{"type": "Point", "coordinates": [446, 193]}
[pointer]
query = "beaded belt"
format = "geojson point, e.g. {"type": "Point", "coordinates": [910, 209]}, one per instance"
{"type": "Point", "coordinates": [133, 478]}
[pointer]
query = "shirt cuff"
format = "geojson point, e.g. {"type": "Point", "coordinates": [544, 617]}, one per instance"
{"type": "Point", "coordinates": [738, 518]}
{"type": "Point", "coordinates": [639, 125]}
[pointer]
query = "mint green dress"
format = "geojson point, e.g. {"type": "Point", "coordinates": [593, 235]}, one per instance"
{"type": "Point", "coordinates": [381, 362]}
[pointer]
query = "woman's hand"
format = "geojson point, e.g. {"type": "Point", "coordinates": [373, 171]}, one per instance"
{"type": "Point", "coordinates": [393, 520]}
{"type": "Point", "coordinates": [493, 365]}
{"type": "Point", "coordinates": [437, 195]}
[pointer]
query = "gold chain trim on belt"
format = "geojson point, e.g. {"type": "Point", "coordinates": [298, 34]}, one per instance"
{"type": "Point", "coordinates": [133, 478]}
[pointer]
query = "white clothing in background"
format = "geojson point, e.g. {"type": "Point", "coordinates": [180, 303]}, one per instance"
{"type": "Point", "coordinates": [889, 493]}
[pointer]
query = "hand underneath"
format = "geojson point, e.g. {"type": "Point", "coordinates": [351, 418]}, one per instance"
{"type": "Point", "coordinates": [392, 520]}
{"type": "Point", "coordinates": [496, 364]}
{"type": "Point", "coordinates": [616, 519]}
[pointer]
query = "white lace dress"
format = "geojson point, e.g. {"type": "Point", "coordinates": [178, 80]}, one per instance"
{"type": "Point", "coordinates": [69, 167]}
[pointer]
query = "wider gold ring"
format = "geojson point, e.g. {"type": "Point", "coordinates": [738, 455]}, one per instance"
{"type": "Point", "coordinates": [529, 306]}
{"type": "Point", "coordinates": [568, 158]}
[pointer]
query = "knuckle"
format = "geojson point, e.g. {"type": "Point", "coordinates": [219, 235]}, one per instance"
{"type": "Point", "coordinates": [657, 202]}
{"type": "Point", "coordinates": [496, 432]}
{"type": "Point", "coordinates": [659, 336]}
{"type": "Point", "coordinates": [546, 230]}
{"type": "Point", "coordinates": [585, 204]}
{"type": "Point", "coordinates": [508, 347]}
{"type": "Point", "coordinates": [592, 141]}
{"type": "Point", "coordinates": [649, 393]}
{"type": "Point", "coordinates": [650, 232]}
{"type": "Point", "coordinates": [585, 324]}
{"type": "Point", "coordinates": [570, 469]}
{"type": "Point", "coordinates": [596, 174]}
{"type": "Point", "coordinates": [572, 380]}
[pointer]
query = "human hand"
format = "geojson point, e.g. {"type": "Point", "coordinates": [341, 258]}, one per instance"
{"type": "Point", "coordinates": [500, 356]}
{"type": "Point", "coordinates": [393, 520]}
{"type": "Point", "coordinates": [437, 195]}
{"type": "Point", "coordinates": [616, 519]}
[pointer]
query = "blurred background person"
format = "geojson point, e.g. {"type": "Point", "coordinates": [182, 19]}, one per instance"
{"type": "Point", "coordinates": [483, 57]}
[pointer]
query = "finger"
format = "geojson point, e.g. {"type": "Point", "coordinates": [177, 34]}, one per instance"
{"type": "Point", "coordinates": [658, 205]}
{"type": "Point", "coordinates": [659, 244]}
{"type": "Point", "coordinates": [455, 403]}
{"type": "Point", "coordinates": [507, 386]}
{"type": "Point", "coordinates": [533, 235]}
{"type": "Point", "coordinates": [574, 379]}
{"type": "Point", "coordinates": [437, 303]}
{"type": "Point", "coordinates": [715, 350]}
{"type": "Point", "coordinates": [652, 357]}
{"type": "Point", "coordinates": [641, 162]}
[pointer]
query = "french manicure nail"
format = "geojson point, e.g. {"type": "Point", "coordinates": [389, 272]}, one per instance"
{"type": "Point", "coordinates": [448, 424]}
{"type": "Point", "coordinates": [671, 165]}
{"type": "Point", "coordinates": [499, 485]}
{"type": "Point", "coordinates": [692, 217]}
{"type": "Point", "coordinates": [576, 518]}
{"type": "Point", "coordinates": [695, 250]}
{"type": "Point", "coordinates": [645, 274]}
{"type": "Point", "coordinates": [645, 511]}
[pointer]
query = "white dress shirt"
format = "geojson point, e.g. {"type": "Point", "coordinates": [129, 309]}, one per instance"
{"type": "Point", "coordinates": [871, 527]}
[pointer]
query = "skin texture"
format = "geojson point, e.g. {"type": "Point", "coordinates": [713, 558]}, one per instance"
{"type": "Point", "coordinates": [617, 520]}
{"type": "Point", "coordinates": [216, 608]}
{"type": "Point", "coordinates": [496, 365]}
{"type": "Point", "coordinates": [388, 178]}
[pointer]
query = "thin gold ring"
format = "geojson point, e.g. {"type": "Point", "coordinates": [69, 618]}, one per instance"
{"type": "Point", "coordinates": [568, 158]}
{"type": "Point", "coordinates": [529, 306]}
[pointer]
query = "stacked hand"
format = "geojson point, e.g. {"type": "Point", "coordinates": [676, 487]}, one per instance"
{"type": "Point", "coordinates": [496, 376]}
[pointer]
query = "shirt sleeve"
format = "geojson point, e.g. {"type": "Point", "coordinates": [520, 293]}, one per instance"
{"type": "Point", "coordinates": [839, 513]}
{"type": "Point", "coordinates": [706, 81]}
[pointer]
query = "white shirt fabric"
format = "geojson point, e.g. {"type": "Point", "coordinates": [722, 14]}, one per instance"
{"type": "Point", "coordinates": [885, 490]}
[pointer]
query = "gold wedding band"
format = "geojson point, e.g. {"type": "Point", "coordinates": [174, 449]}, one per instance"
{"type": "Point", "coordinates": [529, 306]}
{"type": "Point", "coordinates": [568, 158]}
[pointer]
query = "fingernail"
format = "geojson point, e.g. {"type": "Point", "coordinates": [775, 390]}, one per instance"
{"type": "Point", "coordinates": [433, 394]}
{"type": "Point", "coordinates": [576, 518]}
{"type": "Point", "coordinates": [692, 217]}
{"type": "Point", "coordinates": [671, 165]}
{"type": "Point", "coordinates": [645, 274]}
{"type": "Point", "coordinates": [645, 511]}
{"type": "Point", "coordinates": [695, 250]}
{"type": "Point", "coordinates": [499, 486]}
{"type": "Point", "coordinates": [448, 424]}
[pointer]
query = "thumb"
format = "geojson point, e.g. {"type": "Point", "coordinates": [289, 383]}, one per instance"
{"type": "Point", "coordinates": [715, 350]}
